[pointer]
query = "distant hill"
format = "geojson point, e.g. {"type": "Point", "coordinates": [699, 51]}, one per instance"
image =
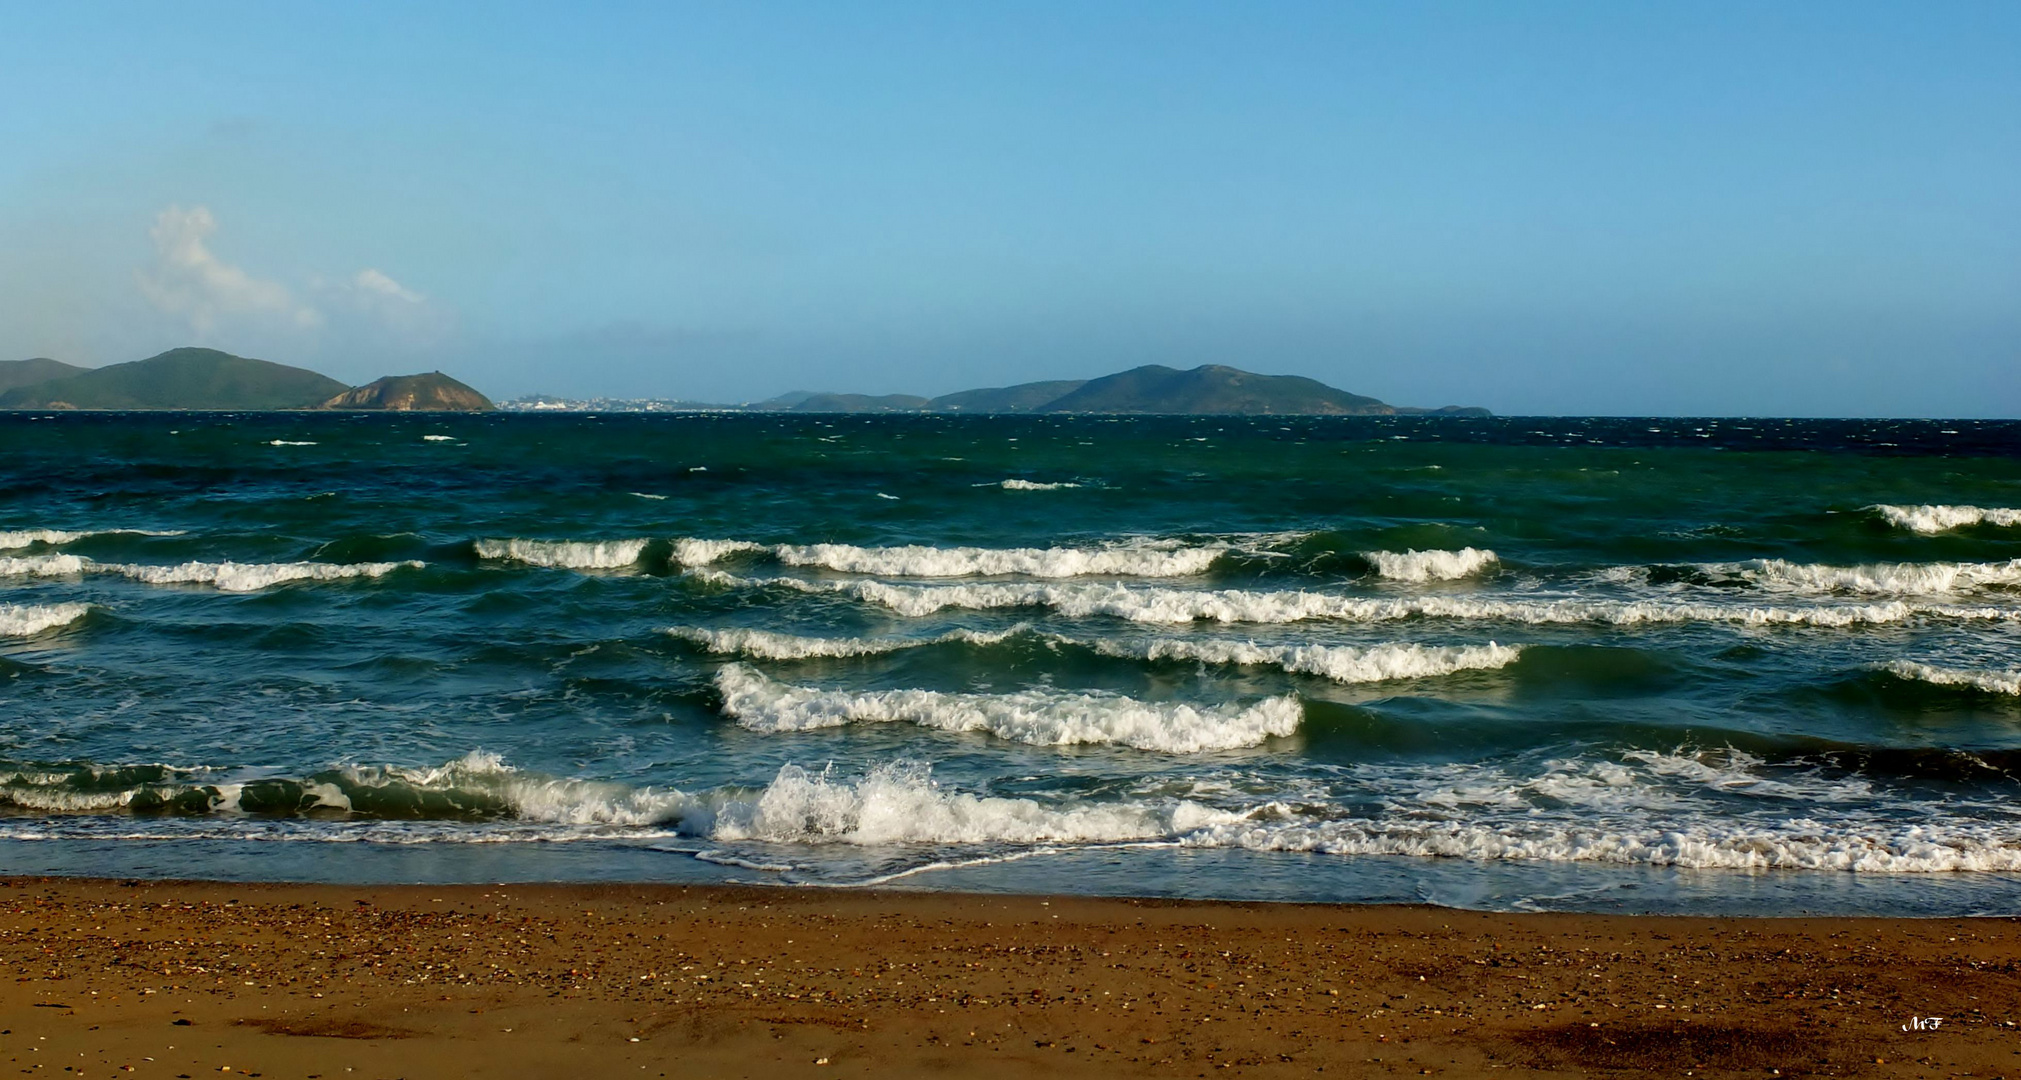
{"type": "Point", "coordinates": [1206, 390]}
{"type": "Point", "coordinates": [1024, 397]}
{"type": "Point", "coordinates": [1212, 388]}
{"type": "Point", "coordinates": [860, 403]}
{"type": "Point", "coordinates": [15, 373]}
{"type": "Point", "coordinates": [180, 379]}
{"type": "Point", "coordinates": [433, 392]}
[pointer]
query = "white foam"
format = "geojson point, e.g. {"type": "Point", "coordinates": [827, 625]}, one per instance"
{"type": "Point", "coordinates": [21, 538]}
{"type": "Point", "coordinates": [438, 438]}
{"type": "Point", "coordinates": [250, 577]}
{"type": "Point", "coordinates": [901, 804]}
{"type": "Point", "coordinates": [1879, 579]}
{"type": "Point", "coordinates": [1015, 484]}
{"type": "Point", "coordinates": [1434, 565]}
{"type": "Point", "coordinates": [696, 552]}
{"type": "Point", "coordinates": [1340, 663]}
{"type": "Point", "coordinates": [564, 554]}
{"type": "Point", "coordinates": [1935, 519]}
{"type": "Point", "coordinates": [289, 442]}
{"type": "Point", "coordinates": [1991, 680]}
{"type": "Point", "coordinates": [42, 565]}
{"type": "Point", "coordinates": [1147, 559]}
{"type": "Point", "coordinates": [1137, 558]}
{"type": "Point", "coordinates": [27, 620]}
{"type": "Point", "coordinates": [1801, 845]}
{"type": "Point", "coordinates": [1041, 717]}
{"type": "Point", "coordinates": [1163, 605]}
{"type": "Point", "coordinates": [768, 645]}
{"type": "Point", "coordinates": [532, 797]}
{"type": "Point", "coordinates": [227, 576]}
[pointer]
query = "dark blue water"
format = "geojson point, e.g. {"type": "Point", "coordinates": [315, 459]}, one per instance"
{"type": "Point", "coordinates": [1597, 664]}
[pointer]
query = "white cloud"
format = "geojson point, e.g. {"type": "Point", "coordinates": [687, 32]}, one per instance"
{"type": "Point", "coordinates": [372, 302]}
{"type": "Point", "coordinates": [377, 284]}
{"type": "Point", "coordinates": [189, 281]}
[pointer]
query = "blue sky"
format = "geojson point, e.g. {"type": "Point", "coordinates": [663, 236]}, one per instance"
{"type": "Point", "coordinates": [1551, 207]}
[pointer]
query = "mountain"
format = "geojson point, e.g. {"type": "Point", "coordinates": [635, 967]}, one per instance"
{"type": "Point", "coordinates": [1024, 397]}
{"type": "Point", "coordinates": [1212, 388]}
{"type": "Point", "coordinates": [860, 403]}
{"type": "Point", "coordinates": [180, 379]}
{"type": "Point", "coordinates": [1153, 388]}
{"type": "Point", "coordinates": [15, 373]}
{"type": "Point", "coordinates": [433, 392]}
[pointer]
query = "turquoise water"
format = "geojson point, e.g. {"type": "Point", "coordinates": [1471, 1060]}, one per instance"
{"type": "Point", "coordinates": [1677, 665]}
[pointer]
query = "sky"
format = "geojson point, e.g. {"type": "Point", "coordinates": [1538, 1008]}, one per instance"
{"type": "Point", "coordinates": [1545, 207]}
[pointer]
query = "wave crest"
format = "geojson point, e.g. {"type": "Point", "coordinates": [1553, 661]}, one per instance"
{"type": "Point", "coordinates": [1930, 519]}
{"type": "Point", "coordinates": [1433, 565]}
{"type": "Point", "coordinates": [1038, 717]}
{"type": "Point", "coordinates": [564, 554]}
{"type": "Point", "coordinates": [1990, 680]}
{"type": "Point", "coordinates": [1157, 605]}
{"type": "Point", "coordinates": [1877, 579]}
{"type": "Point", "coordinates": [1156, 558]}
{"type": "Point", "coordinates": [27, 620]}
{"type": "Point", "coordinates": [1340, 663]}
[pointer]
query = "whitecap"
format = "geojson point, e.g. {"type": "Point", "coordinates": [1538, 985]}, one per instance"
{"type": "Point", "coordinates": [21, 538]}
{"type": "Point", "coordinates": [1930, 519]}
{"type": "Point", "coordinates": [1877, 579]}
{"type": "Point", "coordinates": [1163, 605]}
{"type": "Point", "coordinates": [768, 645]}
{"type": "Point", "coordinates": [1990, 680]}
{"type": "Point", "coordinates": [1041, 717]}
{"type": "Point", "coordinates": [27, 620]}
{"type": "Point", "coordinates": [1136, 558]}
{"type": "Point", "coordinates": [1340, 663]}
{"type": "Point", "coordinates": [250, 577]}
{"type": "Point", "coordinates": [564, 554]}
{"type": "Point", "coordinates": [1434, 565]}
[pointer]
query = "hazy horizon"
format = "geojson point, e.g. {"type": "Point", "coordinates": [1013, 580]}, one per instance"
{"type": "Point", "coordinates": [1566, 209]}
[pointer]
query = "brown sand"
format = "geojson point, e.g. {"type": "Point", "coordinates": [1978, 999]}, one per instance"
{"type": "Point", "coordinates": [175, 979]}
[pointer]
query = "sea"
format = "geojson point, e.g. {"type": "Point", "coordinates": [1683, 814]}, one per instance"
{"type": "Point", "coordinates": [1704, 666]}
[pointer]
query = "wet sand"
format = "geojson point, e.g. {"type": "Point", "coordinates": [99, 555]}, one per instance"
{"type": "Point", "coordinates": [172, 979]}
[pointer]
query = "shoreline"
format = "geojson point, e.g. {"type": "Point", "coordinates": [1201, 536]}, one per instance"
{"type": "Point", "coordinates": [560, 979]}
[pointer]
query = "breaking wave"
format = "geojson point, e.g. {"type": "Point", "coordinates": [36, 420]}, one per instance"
{"type": "Point", "coordinates": [1015, 484]}
{"type": "Point", "coordinates": [1991, 680]}
{"type": "Point", "coordinates": [564, 554]}
{"type": "Point", "coordinates": [250, 577]}
{"type": "Point", "coordinates": [768, 645]}
{"type": "Point", "coordinates": [900, 803]}
{"type": "Point", "coordinates": [1422, 566]}
{"type": "Point", "coordinates": [1040, 717]}
{"type": "Point", "coordinates": [225, 576]}
{"type": "Point", "coordinates": [1879, 579]}
{"type": "Point", "coordinates": [27, 620]}
{"type": "Point", "coordinates": [1128, 559]}
{"type": "Point", "coordinates": [1642, 808]}
{"type": "Point", "coordinates": [1156, 605]}
{"type": "Point", "coordinates": [694, 552]}
{"type": "Point", "coordinates": [1340, 663]}
{"type": "Point", "coordinates": [1935, 519]}
{"type": "Point", "coordinates": [21, 538]}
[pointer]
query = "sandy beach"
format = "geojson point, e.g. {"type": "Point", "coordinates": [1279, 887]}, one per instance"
{"type": "Point", "coordinates": [176, 979]}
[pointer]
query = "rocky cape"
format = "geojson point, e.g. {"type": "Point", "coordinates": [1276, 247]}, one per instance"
{"type": "Point", "coordinates": [210, 380]}
{"type": "Point", "coordinates": [1210, 389]}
